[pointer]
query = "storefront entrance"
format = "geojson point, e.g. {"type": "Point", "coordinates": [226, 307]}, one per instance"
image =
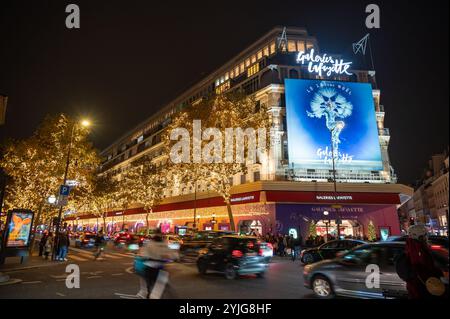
{"type": "Point", "coordinates": [250, 226]}
{"type": "Point", "coordinates": [347, 228]}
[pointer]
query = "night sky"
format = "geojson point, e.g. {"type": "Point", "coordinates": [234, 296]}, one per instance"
{"type": "Point", "coordinates": [131, 57]}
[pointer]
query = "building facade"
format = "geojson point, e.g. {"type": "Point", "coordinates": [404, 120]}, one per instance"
{"type": "Point", "coordinates": [274, 196]}
{"type": "Point", "coordinates": [430, 197]}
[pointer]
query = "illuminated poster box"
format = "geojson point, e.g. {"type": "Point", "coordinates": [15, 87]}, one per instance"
{"type": "Point", "coordinates": [331, 115]}
{"type": "Point", "coordinates": [19, 229]}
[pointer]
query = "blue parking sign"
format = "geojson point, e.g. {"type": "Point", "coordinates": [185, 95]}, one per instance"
{"type": "Point", "coordinates": [64, 190]}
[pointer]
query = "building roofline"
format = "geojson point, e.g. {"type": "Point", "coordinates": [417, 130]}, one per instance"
{"type": "Point", "coordinates": [211, 77]}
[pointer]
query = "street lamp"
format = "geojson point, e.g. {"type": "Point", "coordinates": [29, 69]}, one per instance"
{"type": "Point", "coordinates": [84, 123]}
{"type": "Point", "coordinates": [326, 225]}
{"type": "Point", "coordinates": [339, 125]}
{"type": "Point", "coordinates": [51, 199]}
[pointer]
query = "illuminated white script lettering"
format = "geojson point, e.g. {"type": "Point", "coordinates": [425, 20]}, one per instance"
{"type": "Point", "coordinates": [323, 63]}
{"type": "Point", "coordinates": [327, 156]}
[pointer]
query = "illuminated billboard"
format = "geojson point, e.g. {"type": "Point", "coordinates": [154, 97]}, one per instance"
{"type": "Point", "coordinates": [19, 228]}
{"type": "Point", "coordinates": [332, 117]}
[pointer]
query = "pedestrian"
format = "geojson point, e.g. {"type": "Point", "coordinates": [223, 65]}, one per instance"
{"type": "Point", "coordinates": [154, 279]}
{"type": "Point", "coordinates": [48, 245]}
{"type": "Point", "coordinates": [42, 243]}
{"type": "Point", "coordinates": [99, 244]}
{"type": "Point", "coordinates": [63, 245]}
{"type": "Point", "coordinates": [281, 245]}
{"type": "Point", "coordinates": [417, 266]}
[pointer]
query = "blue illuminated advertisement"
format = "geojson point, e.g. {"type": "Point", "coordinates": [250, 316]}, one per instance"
{"type": "Point", "coordinates": [332, 117]}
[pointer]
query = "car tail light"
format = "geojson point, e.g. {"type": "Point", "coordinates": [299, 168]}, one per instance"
{"type": "Point", "coordinates": [269, 245]}
{"type": "Point", "coordinates": [261, 252]}
{"type": "Point", "coordinates": [128, 236]}
{"type": "Point", "coordinates": [237, 253]}
{"type": "Point", "coordinates": [435, 247]}
{"type": "Point", "coordinates": [250, 244]}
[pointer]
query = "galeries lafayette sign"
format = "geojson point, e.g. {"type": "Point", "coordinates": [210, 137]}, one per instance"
{"type": "Point", "coordinates": [323, 63]}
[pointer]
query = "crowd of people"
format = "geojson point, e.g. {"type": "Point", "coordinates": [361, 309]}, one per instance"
{"type": "Point", "coordinates": [48, 242]}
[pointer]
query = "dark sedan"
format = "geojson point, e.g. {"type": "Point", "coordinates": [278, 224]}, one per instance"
{"type": "Point", "coordinates": [122, 239]}
{"type": "Point", "coordinates": [234, 256]}
{"type": "Point", "coordinates": [192, 244]}
{"type": "Point", "coordinates": [328, 250]}
{"type": "Point", "coordinates": [348, 274]}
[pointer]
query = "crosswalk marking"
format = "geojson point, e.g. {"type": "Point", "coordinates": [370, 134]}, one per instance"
{"type": "Point", "coordinates": [77, 258]}
{"type": "Point", "coordinates": [112, 256]}
{"type": "Point", "coordinates": [125, 255]}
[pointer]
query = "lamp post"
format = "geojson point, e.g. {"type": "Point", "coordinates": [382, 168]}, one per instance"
{"type": "Point", "coordinates": [213, 220]}
{"type": "Point", "coordinates": [198, 220]}
{"type": "Point", "coordinates": [84, 123]}
{"type": "Point", "coordinates": [195, 204]}
{"type": "Point", "coordinates": [339, 125]}
{"type": "Point", "coordinates": [326, 225]}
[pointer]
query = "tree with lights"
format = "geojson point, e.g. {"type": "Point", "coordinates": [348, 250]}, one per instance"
{"type": "Point", "coordinates": [143, 183]}
{"type": "Point", "coordinates": [36, 164]}
{"type": "Point", "coordinates": [371, 231]}
{"type": "Point", "coordinates": [104, 197]}
{"type": "Point", "coordinates": [312, 229]}
{"type": "Point", "coordinates": [219, 154]}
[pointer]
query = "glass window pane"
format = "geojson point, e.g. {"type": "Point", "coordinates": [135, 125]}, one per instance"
{"type": "Point", "coordinates": [291, 46]}
{"type": "Point", "coordinates": [266, 51]}
{"type": "Point", "coordinates": [272, 48]}
{"type": "Point", "coordinates": [236, 71]}
{"type": "Point", "coordinates": [259, 55]}
{"type": "Point", "coordinates": [247, 62]}
{"type": "Point", "coordinates": [309, 46]}
{"type": "Point", "coordinates": [253, 58]}
{"type": "Point", "coordinates": [301, 46]}
{"type": "Point", "coordinates": [241, 67]}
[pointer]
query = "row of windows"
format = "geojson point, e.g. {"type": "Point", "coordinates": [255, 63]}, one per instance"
{"type": "Point", "coordinates": [297, 46]}
{"type": "Point", "coordinates": [240, 68]}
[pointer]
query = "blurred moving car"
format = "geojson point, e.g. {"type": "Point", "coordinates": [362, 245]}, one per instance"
{"type": "Point", "coordinates": [85, 240]}
{"type": "Point", "coordinates": [438, 244]}
{"type": "Point", "coordinates": [173, 241]}
{"type": "Point", "coordinates": [233, 255]}
{"type": "Point", "coordinates": [266, 250]}
{"type": "Point", "coordinates": [192, 244]}
{"type": "Point", "coordinates": [328, 250]}
{"type": "Point", "coordinates": [124, 238]}
{"type": "Point", "coordinates": [346, 275]}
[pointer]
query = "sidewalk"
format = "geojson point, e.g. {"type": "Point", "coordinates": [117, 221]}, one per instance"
{"type": "Point", "coordinates": [13, 263]}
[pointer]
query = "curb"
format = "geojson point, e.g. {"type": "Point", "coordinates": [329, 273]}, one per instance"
{"type": "Point", "coordinates": [30, 267]}
{"type": "Point", "coordinates": [11, 281]}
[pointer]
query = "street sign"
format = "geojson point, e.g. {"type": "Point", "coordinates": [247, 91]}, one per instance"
{"type": "Point", "coordinates": [64, 190]}
{"type": "Point", "coordinates": [62, 200]}
{"type": "Point", "coordinates": [72, 183]}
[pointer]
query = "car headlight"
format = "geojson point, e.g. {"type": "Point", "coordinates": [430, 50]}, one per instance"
{"type": "Point", "coordinates": [307, 269]}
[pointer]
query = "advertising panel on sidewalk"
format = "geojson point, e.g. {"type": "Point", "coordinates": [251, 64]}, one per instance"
{"type": "Point", "coordinates": [19, 227]}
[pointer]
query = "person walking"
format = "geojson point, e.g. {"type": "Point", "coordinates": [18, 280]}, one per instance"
{"type": "Point", "coordinates": [422, 275]}
{"type": "Point", "coordinates": [42, 243]}
{"type": "Point", "coordinates": [63, 243]}
{"type": "Point", "coordinates": [154, 279]}
{"type": "Point", "coordinates": [48, 245]}
{"type": "Point", "coordinates": [99, 244]}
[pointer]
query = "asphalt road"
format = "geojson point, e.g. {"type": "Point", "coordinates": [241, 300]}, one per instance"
{"type": "Point", "coordinates": [113, 277]}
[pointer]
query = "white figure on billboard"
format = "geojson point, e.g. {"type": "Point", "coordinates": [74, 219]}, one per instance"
{"type": "Point", "coordinates": [327, 102]}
